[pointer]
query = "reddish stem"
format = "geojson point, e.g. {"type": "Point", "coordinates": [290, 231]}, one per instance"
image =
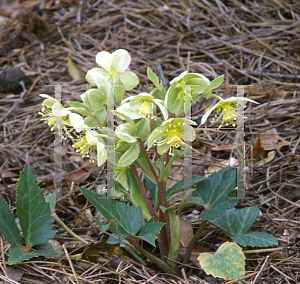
{"type": "Point", "coordinates": [144, 193]}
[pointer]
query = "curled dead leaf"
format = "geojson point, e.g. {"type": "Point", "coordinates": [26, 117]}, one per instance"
{"type": "Point", "coordinates": [271, 156]}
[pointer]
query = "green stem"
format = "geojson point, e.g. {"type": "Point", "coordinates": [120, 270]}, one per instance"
{"type": "Point", "coordinates": [148, 160]}
{"type": "Point", "coordinates": [158, 262]}
{"type": "Point", "coordinates": [146, 170]}
{"type": "Point", "coordinates": [193, 241]}
{"type": "Point", "coordinates": [152, 128]}
{"type": "Point", "coordinates": [62, 224]}
{"type": "Point", "coordinates": [144, 193]}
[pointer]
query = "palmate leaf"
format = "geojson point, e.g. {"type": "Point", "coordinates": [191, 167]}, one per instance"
{"type": "Point", "coordinates": [149, 231]}
{"type": "Point", "coordinates": [17, 256]}
{"type": "Point", "coordinates": [33, 211]}
{"type": "Point", "coordinates": [128, 219]}
{"type": "Point", "coordinates": [228, 262]}
{"type": "Point", "coordinates": [256, 239]}
{"type": "Point", "coordinates": [237, 222]}
{"type": "Point", "coordinates": [214, 192]}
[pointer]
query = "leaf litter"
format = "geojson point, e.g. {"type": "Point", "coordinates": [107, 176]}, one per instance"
{"type": "Point", "coordinates": [251, 44]}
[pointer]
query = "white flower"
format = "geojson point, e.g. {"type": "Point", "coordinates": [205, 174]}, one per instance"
{"type": "Point", "coordinates": [113, 69]}
{"type": "Point", "coordinates": [56, 117]}
{"type": "Point", "coordinates": [145, 103]}
{"type": "Point", "coordinates": [227, 108]}
{"type": "Point", "coordinates": [87, 143]}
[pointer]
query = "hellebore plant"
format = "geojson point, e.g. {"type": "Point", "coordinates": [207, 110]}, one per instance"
{"type": "Point", "coordinates": [148, 143]}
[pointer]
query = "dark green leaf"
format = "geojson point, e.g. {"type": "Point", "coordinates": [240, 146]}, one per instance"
{"type": "Point", "coordinates": [256, 239]}
{"type": "Point", "coordinates": [128, 219]}
{"type": "Point", "coordinates": [180, 185]}
{"type": "Point", "coordinates": [33, 211]}
{"type": "Point", "coordinates": [212, 192]}
{"type": "Point", "coordinates": [17, 256]}
{"type": "Point", "coordinates": [237, 222]}
{"type": "Point", "coordinates": [103, 227]}
{"type": "Point", "coordinates": [149, 231]}
{"type": "Point", "coordinates": [153, 188]}
{"type": "Point", "coordinates": [119, 187]}
{"type": "Point", "coordinates": [136, 198]}
{"type": "Point", "coordinates": [8, 226]}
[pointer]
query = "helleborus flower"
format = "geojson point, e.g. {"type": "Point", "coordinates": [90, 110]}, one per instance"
{"type": "Point", "coordinates": [95, 99]}
{"type": "Point", "coordinates": [170, 135]}
{"type": "Point", "coordinates": [144, 104]}
{"type": "Point", "coordinates": [53, 112]}
{"type": "Point", "coordinates": [176, 94]}
{"type": "Point", "coordinates": [228, 108]}
{"type": "Point", "coordinates": [113, 69]}
{"type": "Point", "coordinates": [88, 142]}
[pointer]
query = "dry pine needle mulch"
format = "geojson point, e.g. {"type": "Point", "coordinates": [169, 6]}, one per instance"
{"type": "Point", "coordinates": [253, 43]}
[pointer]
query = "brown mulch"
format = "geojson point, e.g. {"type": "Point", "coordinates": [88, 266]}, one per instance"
{"type": "Point", "coordinates": [253, 43]}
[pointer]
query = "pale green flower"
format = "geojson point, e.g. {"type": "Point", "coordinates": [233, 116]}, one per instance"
{"type": "Point", "coordinates": [113, 69]}
{"type": "Point", "coordinates": [176, 94]}
{"type": "Point", "coordinates": [170, 135]}
{"type": "Point", "coordinates": [53, 112]}
{"type": "Point", "coordinates": [88, 142]}
{"type": "Point", "coordinates": [144, 104]}
{"type": "Point", "coordinates": [228, 108]}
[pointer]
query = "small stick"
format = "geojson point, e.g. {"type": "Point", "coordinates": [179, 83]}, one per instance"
{"type": "Point", "coordinates": [269, 74]}
{"type": "Point", "coordinates": [71, 263]}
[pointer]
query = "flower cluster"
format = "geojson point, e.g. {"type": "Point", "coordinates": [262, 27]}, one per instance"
{"type": "Point", "coordinates": [139, 119]}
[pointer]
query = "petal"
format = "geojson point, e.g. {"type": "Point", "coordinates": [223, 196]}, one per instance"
{"type": "Point", "coordinates": [76, 121]}
{"type": "Point", "coordinates": [101, 154]}
{"type": "Point", "coordinates": [129, 156]}
{"type": "Point", "coordinates": [91, 139]}
{"type": "Point", "coordinates": [162, 108]}
{"type": "Point", "coordinates": [176, 79]}
{"type": "Point", "coordinates": [58, 111]}
{"type": "Point", "coordinates": [126, 132]}
{"type": "Point", "coordinates": [161, 149]}
{"type": "Point", "coordinates": [241, 99]}
{"type": "Point", "coordinates": [96, 98]}
{"type": "Point", "coordinates": [155, 135]}
{"type": "Point", "coordinates": [129, 111]}
{"type": "Point", "coordinates": [207, 113]}
{"type": "Point", "coordinates": [202, 77]}
{"type": "Point", "coordinates": [48, 97]}
{"type": "Point", "coordinates": [103, 59]}
{"type": "Point", "coordinates": [189, 134]}
{"type": "Point", "coordinates": [120, 60]}
{"type": "Point", "coordinates": [49, 101]}
{"type": "Point", "coordinates": [97, 76]}
{"type": "Point", "coordinates": [129, 80]}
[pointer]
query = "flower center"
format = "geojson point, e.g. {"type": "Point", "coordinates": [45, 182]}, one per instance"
{"type": "Point", "coordinates": [83, 147]}
{"type": "Point", "coordinates": [51, 119]}
{"type": "Point", "coordinates": [174, 138]}
{"type": "Point", "coordinates": [228, 113]}
{"type": "Point", "coordinates": [146, 108]}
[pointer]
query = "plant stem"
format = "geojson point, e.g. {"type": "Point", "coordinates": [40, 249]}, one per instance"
{"type": "Point", "coordinates": [164, 217]}
{"type": "Point", "coordinates": [152, 128]}
{"type": "Point", "coordinates": [148, 160]}
{"type": "Point", "coordinates": [63, 225]}
{"type": "Point", "coordinates": [193, 241]}
{"type": "Point", "coordinates": [144, 193]}
{"type": "Point", "coordinates": [158, 262]}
